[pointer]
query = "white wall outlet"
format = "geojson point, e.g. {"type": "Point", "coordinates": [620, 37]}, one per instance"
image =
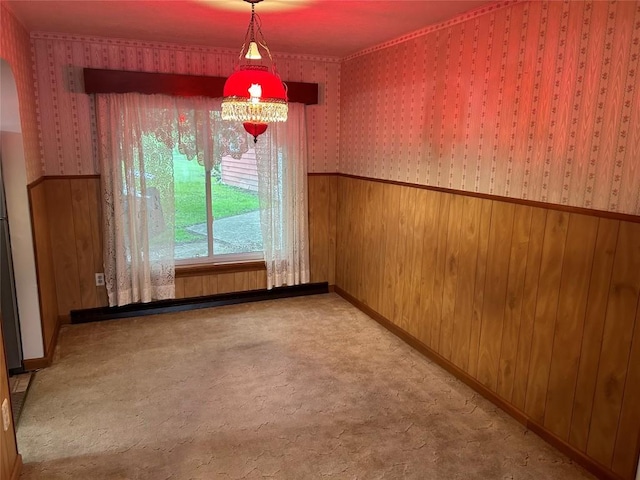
{"type": "Point", "coordinates": [6, 415]}
{"type": "Point", "coordinates": [99, 279]}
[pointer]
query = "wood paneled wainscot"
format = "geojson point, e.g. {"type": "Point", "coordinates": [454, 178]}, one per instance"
{"type": "Point", "coordinates": [73, 211]}
{"type": "Point", "coordinates": [66, 213]}
{"type": "Point", "coordinates": [212, 280]}
{"type": "Point", "coordinates": [535, 307]}
{"type": "Point", "coordinates": [45, 269]}
{"type": "Point", "coordinates": [323, 197]}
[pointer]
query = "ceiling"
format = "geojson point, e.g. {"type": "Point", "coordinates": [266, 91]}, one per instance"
{"type": "Point", "coordinates": [335, 28]}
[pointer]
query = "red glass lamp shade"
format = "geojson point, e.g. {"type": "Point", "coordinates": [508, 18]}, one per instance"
{"type": "Point", "coordinates": [256, 97]}
{"type": "Point", "coordinates": [255, 129]}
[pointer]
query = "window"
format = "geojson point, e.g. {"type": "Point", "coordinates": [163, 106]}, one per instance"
{"type": "Point", "coordinates": [167, 167]}
{"type": "Point", "coordinates": [215, 193]}
{"type": "Point", "coordinates": [230, 229]}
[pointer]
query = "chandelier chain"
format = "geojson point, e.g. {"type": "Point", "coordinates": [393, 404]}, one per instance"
{"type": "Point", "coordinates": [255, 25]}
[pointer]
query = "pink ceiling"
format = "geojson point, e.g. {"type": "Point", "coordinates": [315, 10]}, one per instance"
{"type": "Point", "coordinates": [320, 27]}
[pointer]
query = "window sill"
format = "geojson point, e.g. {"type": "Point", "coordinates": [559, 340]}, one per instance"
{"type": "Point", "coordinates": [211, 268]}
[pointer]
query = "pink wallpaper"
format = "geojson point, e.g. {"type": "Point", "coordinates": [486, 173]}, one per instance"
{"type": "Point", "coordinates": [66, 114]}
{"type": "Point", "coordinates": [534, 100]}
{"type": "Point", "coordinates": [15, 48]}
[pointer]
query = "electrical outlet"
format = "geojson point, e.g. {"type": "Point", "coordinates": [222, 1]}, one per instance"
{"type": "Point", "coordinates": [99, 279]}
{"type": "Point", "coordinates": [6, 415]}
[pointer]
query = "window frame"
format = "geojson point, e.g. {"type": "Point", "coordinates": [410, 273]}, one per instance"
{"type": "Point", "coordinates": [211, 258]}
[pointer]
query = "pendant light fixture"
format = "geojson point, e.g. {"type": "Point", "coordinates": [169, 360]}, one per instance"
{"type": "Point", "coordinates": [254, 93]}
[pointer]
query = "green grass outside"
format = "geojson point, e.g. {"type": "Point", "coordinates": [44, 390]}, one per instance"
{"type": "Point", "coordinates": [190, 199]}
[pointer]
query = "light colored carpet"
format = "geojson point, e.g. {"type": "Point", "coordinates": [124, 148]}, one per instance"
{"type": "Point", "coordinates": [300, 388]}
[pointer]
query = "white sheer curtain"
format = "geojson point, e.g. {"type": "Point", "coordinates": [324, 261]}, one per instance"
{"type": "Point", "coordinates": [137, 137]}
{"type": "Point", "coordinates": [282, 186]}
{"type": "Point", "coordinates": [136, 142]}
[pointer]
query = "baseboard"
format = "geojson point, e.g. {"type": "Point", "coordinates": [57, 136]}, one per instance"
{"type": "Point", "coordinates": [17, 468]}
{"type": "Point", "coordinates": [180, 305]}
{"type": "Point", "coordinates": [46, 361]}
{"type": "Point", "coordinates": [579, 457]}
{"type": "Point", "coordinates": [32, 364]}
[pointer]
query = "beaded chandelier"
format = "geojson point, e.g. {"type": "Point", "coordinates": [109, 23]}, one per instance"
{"type": "Point", "coordinates": [254, 93]}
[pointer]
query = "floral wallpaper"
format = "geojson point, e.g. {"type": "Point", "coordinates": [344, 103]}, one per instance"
{"type": "Point", "coordinates": [532, 100]}
{"type": "Point", "coordinates": [67, 116]}
{"type": "Point", "coordinates": [15, 48]}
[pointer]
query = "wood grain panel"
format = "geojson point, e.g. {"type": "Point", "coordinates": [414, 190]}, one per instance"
{"type": "Point", "coordinates": [625, 457]}
{"type": "Point", "coordinates": [342, 233]}
{"type": "Point", "coordinates": [333, 212]}
{"type": "Point", "coordinates": [429, 256]}
{"type": "Point", "coordinates": [63, 245]}
{"type": "Point", "coordinates": [495, 292]}
{"type": "Point", "coordinates": [414, 316]}
{"type": "Point", "coordinates": [193, 286]}
{"type": "Point", "coordinates": [341, 217]}
{"type": "Point", "coordinates": [478, 297]}
{"type": "Point", "coordinates": [84, 242]}
{"type": "Point", "coordinates": [210, 284]}
{"type": "Point", "coordinates": [350, 274]}
{"type": "Point", "coordinates": [545, 316]}
{"type": "Point", "coordinates": [252, 280]}
{"type": "Point", "coordinates": [435, 313]}
{"type": "Point", "coordinates": [467, 264]}
{"type": "Point", "coordinates": [616, 345]}
{"type": "Point", "coordinates": [515, 292]}
{"type": "Point", "coordinates": [180, 288]}
{"type": "Point", "coordinates": [226, 283]}
{"type": "Point", "coordinates": [322, 197]}
{"type": "Point", "coordinates": [392, 222]}
{"type": "Point", "coordinates": [318, 195]}
{"type": "Point", "coordinates": [605, 249]}
{"type": "Point", "coordinates": [95, 209]}
{"type": "Point", "coordinates": [358, 253]}
{"type": "Point", "coordinates": [44, 264]}
{"type": "Point", "coordinates": [371, 242]}
{"type": "Point", "coordinates": [261, 278]}
{"type": "Point", "coordinates": [527, 317]}
{"type": "Point", "coordinates": [314, 194]}
{"type": "Point", "coordinates": [572, 303]}
{"type": "Point", "coordinates": [241, 282]}
{"type": "Point", "coordinates": [346, 230]}
{"type": "Point", "coordinates": [405, 251]}
{"type": "Point", "coordinates": [450, 283]}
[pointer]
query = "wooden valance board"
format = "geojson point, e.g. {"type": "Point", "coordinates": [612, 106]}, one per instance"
{"type": "Point", "coordinates": [122, 81]}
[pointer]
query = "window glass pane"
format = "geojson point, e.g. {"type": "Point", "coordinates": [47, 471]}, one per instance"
{"type": "Point", "coordinates": [153, 177]}
{"type": "Point", "coordinates": [190, 208]}
{"type": "Point", "coordinates": [236, 225]}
